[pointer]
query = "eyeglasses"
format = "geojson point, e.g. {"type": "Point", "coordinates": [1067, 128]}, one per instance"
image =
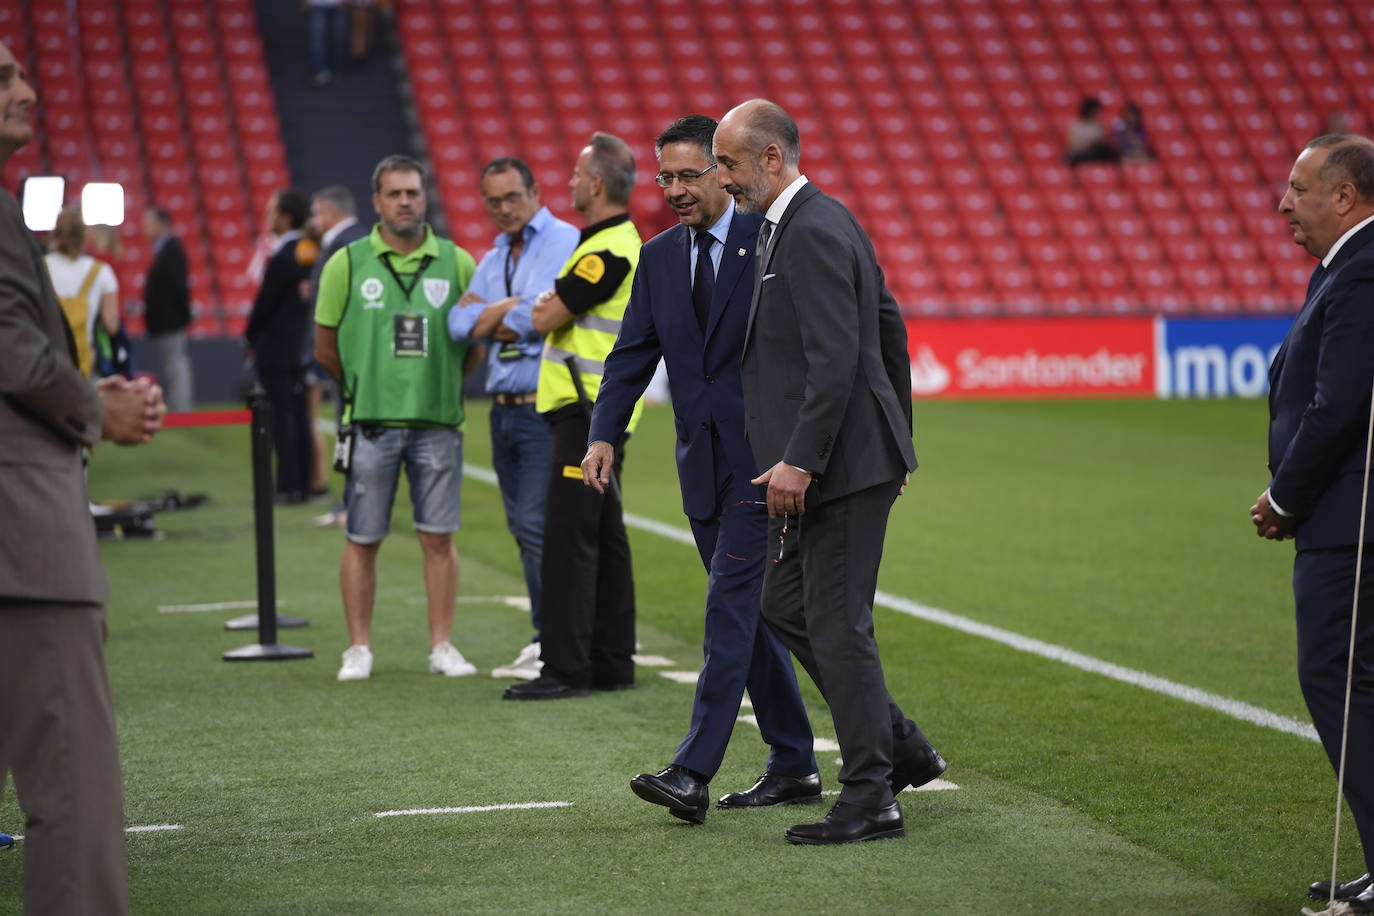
{"type": "Point", "coordinates": [665, 179]}
{"type": "Point", "coordinates": [782, 535]}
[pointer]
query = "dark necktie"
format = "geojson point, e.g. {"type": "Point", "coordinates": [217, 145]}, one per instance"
{"type": "Point", "coordinates": [1318, 272]}
{"type": "Point", "coordinates": [765, 231]}
{"type": "Point", "coordinates": [704, 286]}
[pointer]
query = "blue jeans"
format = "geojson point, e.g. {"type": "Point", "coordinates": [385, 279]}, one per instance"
{"type": "Point", "coordinates": [434, 470]}
{"type": "Point", "coordinates": [328, 32]}
{"type": "Point", "coordinates": [521, 445]}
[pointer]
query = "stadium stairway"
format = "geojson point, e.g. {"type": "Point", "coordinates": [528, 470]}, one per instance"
{"type": "Point", "coordinates": [334, 134]}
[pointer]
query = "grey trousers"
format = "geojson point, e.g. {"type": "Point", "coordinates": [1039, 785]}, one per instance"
{"type": "Point", "coordinates": [57, 737]}
{"type": "Point", "coordinates": [175, 356]}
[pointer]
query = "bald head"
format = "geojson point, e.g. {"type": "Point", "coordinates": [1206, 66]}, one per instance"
{"type": "Point", "coordinates": [765, 123]}
{"type": "Point", "coordinates": [758, 153]}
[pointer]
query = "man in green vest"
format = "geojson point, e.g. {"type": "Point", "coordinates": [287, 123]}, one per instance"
{"type": "Point", "coordinates": [588, 623]}
{"type": "Point", "coordinates": [382, 333]}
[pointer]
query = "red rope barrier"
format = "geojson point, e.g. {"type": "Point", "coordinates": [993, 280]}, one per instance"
{"type": "Point", "coordinates": [208, 418]}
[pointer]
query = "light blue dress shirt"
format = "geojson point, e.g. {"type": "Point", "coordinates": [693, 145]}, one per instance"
{"type": "Point", "coordinates": [549, 242]}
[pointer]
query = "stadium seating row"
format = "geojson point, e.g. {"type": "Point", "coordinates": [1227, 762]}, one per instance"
{"type": "Point", "coordinates": [940, 122]}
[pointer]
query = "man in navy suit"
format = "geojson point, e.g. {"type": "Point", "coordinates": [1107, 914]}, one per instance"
{"type": "Point", "coordinates": [1319, 415]}
{"type": "Point", "coordinates": [689, 305]}
{"type": "Point", "coordinates": [276, 333]}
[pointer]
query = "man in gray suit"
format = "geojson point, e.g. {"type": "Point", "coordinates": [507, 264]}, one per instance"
{"type": "Point", "coordinates": [827, 395]}
{"type": "Point", "coordinates": [57, 727]}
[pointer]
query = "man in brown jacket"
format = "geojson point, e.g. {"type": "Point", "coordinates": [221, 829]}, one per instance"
{"type": "Point", "coordinates": [57, 729]}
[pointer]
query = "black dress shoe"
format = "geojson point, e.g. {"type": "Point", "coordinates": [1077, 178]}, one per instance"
{"type": "Point", "coordinates": [677, 789]}
{"type": "Point", "coordinates": [1345, 890]}
{"type": "Point", "coordinates": [612, 686]}
{"type": "Point", "coordinates": [544, 687]}
{"type": "Point", "coordinates": [772, 789]}
{"type": "Point", "coordinates": [848, 823]}
{"type": "Point", "coordinates": [1363, 902]}
{"type": "Point", "coordinates": [917, 769]}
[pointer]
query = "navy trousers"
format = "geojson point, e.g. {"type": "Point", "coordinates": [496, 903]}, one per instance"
{"type": "Point", "coordinates": [1324, 589]}
{"type": "Point", "coordinates": [740, 650]}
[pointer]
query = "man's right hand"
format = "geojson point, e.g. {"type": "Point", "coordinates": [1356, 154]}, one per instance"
{"type": "Point", "coordinates": [133, 410]}
{"type": "Point", "coordinates": [596, 466]}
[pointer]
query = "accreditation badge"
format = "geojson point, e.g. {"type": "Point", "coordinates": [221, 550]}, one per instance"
{"type": "Point", "coordinates": [410, 336]}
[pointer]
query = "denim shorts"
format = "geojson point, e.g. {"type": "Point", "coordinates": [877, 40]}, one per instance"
{"type": "Point", "coordinates": [434, 469]}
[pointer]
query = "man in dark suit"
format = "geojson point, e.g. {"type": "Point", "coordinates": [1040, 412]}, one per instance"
{"type": "Point", "coordinates": [1319, 415]}
{"type": "Point", "coordinates": [276, 333]}
{"type": "Point", "coordinates": [827, 396]}
{"type": "Point", "coordinates": [167, 307]}
{"type": "Point", "coordinates": [57, 725]}
{"type": "Point", "coordinates": [334, 213]}
{"type": "Point", "coordinates": [688, 305]}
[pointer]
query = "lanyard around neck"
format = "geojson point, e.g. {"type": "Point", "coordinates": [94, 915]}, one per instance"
{"type": "Point", "coordinates": [415, 278]}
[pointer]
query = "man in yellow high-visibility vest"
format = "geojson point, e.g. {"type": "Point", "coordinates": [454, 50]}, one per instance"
{"type": "Point", "coordinates": [588, 625]}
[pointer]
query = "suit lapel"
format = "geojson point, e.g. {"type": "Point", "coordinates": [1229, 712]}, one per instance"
{"type": "Point", "coordinates": [1316, 286]}
{"type": "Point", "coordinates": [684, 315]}
{"type": "Point", "coordinates": [739, 249]}
{"type": "Point", "coordinates": [806, 192]}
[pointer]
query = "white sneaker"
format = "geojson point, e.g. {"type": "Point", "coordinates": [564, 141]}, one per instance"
{"type": "Point", "coordinates": [448, 661]}
{"type": "Point", "coordinates": [526, 666]}
{"type": "Point", "coordinates": [357, 664]}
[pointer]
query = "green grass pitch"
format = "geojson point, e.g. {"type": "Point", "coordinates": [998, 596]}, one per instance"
{"type": "Point", "coordinates": [1116, 529]}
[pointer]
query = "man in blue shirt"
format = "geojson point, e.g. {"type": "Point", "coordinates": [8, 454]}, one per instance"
{"type": "Point", "coordinates": [531, 249]}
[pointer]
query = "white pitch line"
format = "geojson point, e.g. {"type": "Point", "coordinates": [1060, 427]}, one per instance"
{"type": "Point", "coordinates": [215, 606]}
{"type": "Point", "coordinates": [474, 809]}
{"type": "Point", "coordinates": [151, 828]}
{"type": "Point", "coordinates": [820, 745]}
{"type": "Point", "coordinates": [681, 677]}
{"type": "Point", "coordinates": [935, 785]}
{"type": "Point", "coordinates": [1236, 709]}
{"type": "Point", "coordinates": [653, 661]}
{"type": "Point", "coordinates": [519, 602]}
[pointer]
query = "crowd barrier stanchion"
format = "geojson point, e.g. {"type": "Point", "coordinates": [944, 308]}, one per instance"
{"type": "Point", "coordinates": [266, 648]}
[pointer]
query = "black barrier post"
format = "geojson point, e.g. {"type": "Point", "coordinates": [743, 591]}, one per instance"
{"type": "Point", "coordinates": [267, 648]}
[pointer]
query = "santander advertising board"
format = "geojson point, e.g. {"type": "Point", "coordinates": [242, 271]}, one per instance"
{"type": "Point", "coordinates": [1032, 358]}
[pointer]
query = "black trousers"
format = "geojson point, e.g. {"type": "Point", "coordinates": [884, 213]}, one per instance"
{"type": "Point", "coordinates": [290, 429]}
{"type": "Point", "coordinates": [818, 598]}
{"type": "Point", "coordinates": [1324, 590]}
{"type": "Point", "coordinates": [588, 601]}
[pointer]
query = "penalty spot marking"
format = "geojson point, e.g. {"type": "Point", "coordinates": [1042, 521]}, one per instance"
{"type": "Point", "coordinates": [214, 606]}
{"type": "Point", "coordinates": [475, 809]}
{"type": "Point", "coordinates": [1235, 709]}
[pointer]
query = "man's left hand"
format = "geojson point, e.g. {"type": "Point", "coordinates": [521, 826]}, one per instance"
{"type": "Point", "coordinates": [786, 489]}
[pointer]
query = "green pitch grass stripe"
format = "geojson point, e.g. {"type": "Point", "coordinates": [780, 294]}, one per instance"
{"type": "Point", "coordinates": [1236, 709]}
